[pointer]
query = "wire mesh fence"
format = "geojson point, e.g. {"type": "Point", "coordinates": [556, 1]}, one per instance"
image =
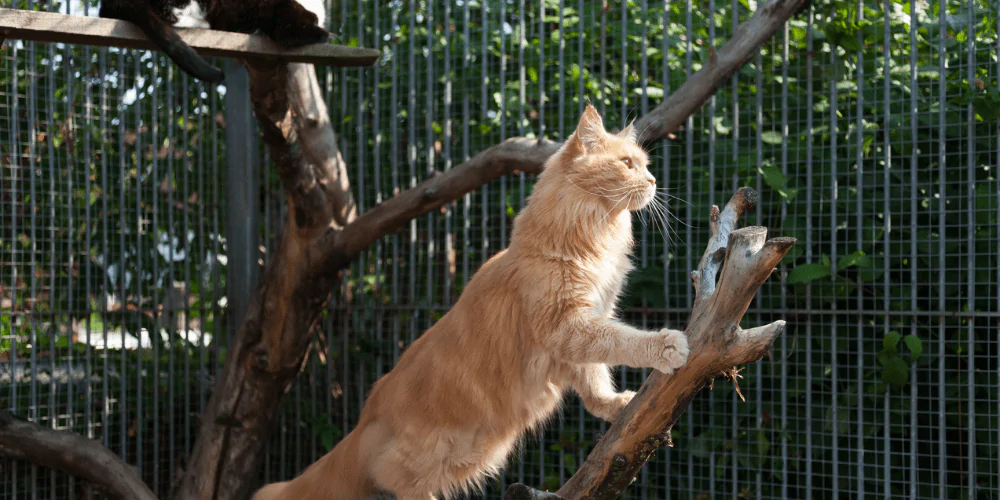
{"type": "Point", "coordinates": [869, 128]}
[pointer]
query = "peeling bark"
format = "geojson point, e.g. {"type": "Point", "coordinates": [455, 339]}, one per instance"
{"type": "Point", "coordinates": [270, 347]}
{"type": "Point", "coordinates": [324, 234]}
{"type": "Point", "coordinates": [742, 260]}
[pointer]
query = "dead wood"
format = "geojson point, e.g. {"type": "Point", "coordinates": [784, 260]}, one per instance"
{"type": "Point", "coordinates": [324, 234]}
{"type": "Point", "coordinates": [741, 259]}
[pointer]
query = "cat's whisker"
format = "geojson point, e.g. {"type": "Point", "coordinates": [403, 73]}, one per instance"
{"type": "Point", "coordinates": [552, 237]}
{"type": "Point", "coordinates": [663, 192]}
{"type": "Point", "coordinates": [602, 195]}
{"type": "Point", "coordinates": [612, 209]}
{"type": "Point", "coordinates": [656, 147]}
{"type": "Point", "coordinates": [658, 210]}
{"type": "Point", "coordinates": [666, 216]}
{"type": "Point", "coordinates": [654, 219]}
{"type": "Point", "coordinates": [677, 233]}
{"type": "Point", "coordinates": [641, 218]}
{"type": "Point", "coordinates": [618, 190]}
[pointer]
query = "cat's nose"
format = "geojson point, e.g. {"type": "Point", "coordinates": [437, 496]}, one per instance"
{"type": "Point", "coordinates": [652, 182]}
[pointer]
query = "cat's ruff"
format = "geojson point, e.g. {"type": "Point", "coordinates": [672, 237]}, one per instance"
{"type": "Point", "coordinates": [537, 320]}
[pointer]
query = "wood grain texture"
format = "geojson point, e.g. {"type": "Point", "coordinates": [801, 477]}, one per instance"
{"type": "Point", "coordinates": [742, 259]}
{"type": "Point", "coordinates": [270, 345]}
{"type": "Point", "coordinates": [323, 235]}
{"type": "Point", "coordinates": [85, 30]}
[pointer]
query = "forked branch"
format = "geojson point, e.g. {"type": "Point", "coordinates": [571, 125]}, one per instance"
{"type": "Point", "coordinates": [742, 260]}
{"type": "Point", "coordinates": [323, 235]}
{"type": "Point", "coordinates": [527, 155]}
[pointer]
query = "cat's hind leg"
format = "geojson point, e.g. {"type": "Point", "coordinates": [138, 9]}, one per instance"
{"type": "Point", "coordinates": [408, 474]}
{"type": "Point", "coordinates": [593, 383]}
{"type": "Point", "coordinates": [447, 463]}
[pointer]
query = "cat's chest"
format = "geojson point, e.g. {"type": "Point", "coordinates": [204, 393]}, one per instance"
{"type": "Point", "coordinates": [606, 281]}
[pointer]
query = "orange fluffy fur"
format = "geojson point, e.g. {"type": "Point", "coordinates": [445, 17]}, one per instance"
{"type": "Point", "coordinates": [536, 320]}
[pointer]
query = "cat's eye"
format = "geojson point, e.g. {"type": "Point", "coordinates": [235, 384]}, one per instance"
{"type": "Point", "coordinates": [627, 162]}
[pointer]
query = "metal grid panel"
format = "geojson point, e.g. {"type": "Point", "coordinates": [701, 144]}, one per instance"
{"type": "Point", "coordinates": [859, 124]}
{"type": "Point", "coordinates": [112, 258]}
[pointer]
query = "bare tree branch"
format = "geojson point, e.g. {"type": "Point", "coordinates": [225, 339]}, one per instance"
{"type": "Point", "coordinates": [270, 346]}
{"type": "Point", "coordinates": [526, 155]}
{"type": "Point", "coordinates": [742, 261]}
{"type": "Point", "coordinates": [71, 453]}
{"type": "Point", "coordinates": [323, 236]}
{"type": "Point", "coordinates": [319, 143]}
{"type": "Point", "coordinates": [512, 155]}
{"type": "Point", "coordinates": [699, 87]}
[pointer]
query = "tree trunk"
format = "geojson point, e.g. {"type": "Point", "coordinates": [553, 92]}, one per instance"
{"type": "Point", "coordinates": [269, 348]}
{"type": "Point", "coordinates": [324, 233]}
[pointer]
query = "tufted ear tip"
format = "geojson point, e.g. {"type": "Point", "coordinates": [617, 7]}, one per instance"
{"type": "Point", "coordinates": [590, 115]}
{"type": "Point", "coordinates": [590, 130]}
{"type": "Point", "coordinates": [629, 132]}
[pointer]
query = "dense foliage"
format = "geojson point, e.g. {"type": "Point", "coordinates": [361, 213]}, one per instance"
{"type": "Point", "coordinates": [870, 129]}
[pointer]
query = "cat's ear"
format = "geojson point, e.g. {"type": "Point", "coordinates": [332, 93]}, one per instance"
{"type": "Point", "coordinates": [590, 132]}
{"type": "Point", "coordinates": [629, 132]}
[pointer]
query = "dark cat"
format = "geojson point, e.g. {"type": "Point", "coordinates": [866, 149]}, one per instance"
{"type": "Point", "coordinates": [286, 22]}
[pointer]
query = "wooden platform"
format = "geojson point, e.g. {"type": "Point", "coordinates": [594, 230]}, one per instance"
{"type": "Point", "coordinates": [84, 30]}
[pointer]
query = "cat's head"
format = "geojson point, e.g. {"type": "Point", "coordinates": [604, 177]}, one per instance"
{"type": "Point", "coordinates": [607, 168]}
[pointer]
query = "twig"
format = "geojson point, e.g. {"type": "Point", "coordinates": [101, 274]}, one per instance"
{"type": "Point", "coordinates": [742, 260]}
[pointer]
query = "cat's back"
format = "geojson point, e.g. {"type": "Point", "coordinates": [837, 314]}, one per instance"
{"type": "Point", "coordinates": [487, 307]}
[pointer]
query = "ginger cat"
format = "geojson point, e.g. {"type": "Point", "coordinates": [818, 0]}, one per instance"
{"type": "Point", "coordinates": [537, 319]}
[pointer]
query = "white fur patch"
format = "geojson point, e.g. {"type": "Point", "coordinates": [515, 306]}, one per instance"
{"type": "Point", "coordinates": [190, 16]}
{"type": "Point", "coordinates": [317, 7]}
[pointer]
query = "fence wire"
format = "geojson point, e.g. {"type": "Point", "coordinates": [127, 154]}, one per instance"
{"type": "Point", "coordinates": [869, 128]}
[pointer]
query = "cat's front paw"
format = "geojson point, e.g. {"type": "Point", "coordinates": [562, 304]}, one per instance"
{"type": "Point", "coordinates": [670, 350]}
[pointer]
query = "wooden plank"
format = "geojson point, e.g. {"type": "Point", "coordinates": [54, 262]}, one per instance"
{"type": "Point", "coordinates": [85, 30]}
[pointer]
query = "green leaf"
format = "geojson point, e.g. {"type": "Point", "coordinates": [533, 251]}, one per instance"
{"type": "Point", "coordinates": [915, 346]}
{"type": "Point", "coordinates": [773, 176]}
{"type": "Point", "coordinates": [807, 273]}
{"type": "Point", "coordinates": [891, 340]}
{"type": "Point", "coordinates": [882, 356]}
{"type": "Point", "coordinates": [896, 372]}
{"type": "Point", "coordinates": [652, 92]}
{"type": "Point", "coordinates": [854, 259]}
{"type": "Point", "coordinates": [771, 137]}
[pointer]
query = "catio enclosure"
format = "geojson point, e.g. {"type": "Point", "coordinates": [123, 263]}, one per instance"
{"type": "Point", "coordinates": [136, 206]}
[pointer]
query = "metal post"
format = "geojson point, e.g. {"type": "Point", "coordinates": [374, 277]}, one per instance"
{"type": "Point", "coordinates": [243, 204]}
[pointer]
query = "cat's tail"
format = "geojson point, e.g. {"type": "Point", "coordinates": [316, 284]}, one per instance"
{"type": "Point", "coordinates": [339, 475]}
{"type": "Point", "coordinates": [165, 36]}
